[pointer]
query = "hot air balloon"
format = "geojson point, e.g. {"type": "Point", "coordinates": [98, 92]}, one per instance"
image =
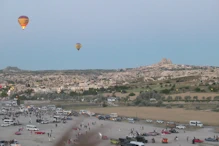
{"type": "Point", "coordinates": [78, 46]}
{"type": "Point", "coordinates": [23, 21]}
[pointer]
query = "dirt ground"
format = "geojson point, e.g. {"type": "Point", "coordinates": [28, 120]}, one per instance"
{"type": "Point", "coordinates": [177, 115]}
{"type": "Point", "coordinates": [110, 129]}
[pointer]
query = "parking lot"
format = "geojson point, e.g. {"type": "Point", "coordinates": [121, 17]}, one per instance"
{"type": "Point", "coordinates": [110, 129]}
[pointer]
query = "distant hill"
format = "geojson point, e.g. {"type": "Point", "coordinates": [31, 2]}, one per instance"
{"type": "Point", "coordinates": [11, 69]}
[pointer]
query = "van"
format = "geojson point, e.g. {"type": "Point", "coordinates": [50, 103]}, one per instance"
{"type": "Point", "coordinates": [113, 115]}
{"type": "Point", "coordinates": [131, 120]}
{"type": "Point", "coordinates": [137, 143]}
{"type": "Point", "coordinates": [59, 112]}
{"type": "Point", "coordinates": [57, 119]}
{"type": "Point", "coordinates": [195, 123]}
{"type": "Point", "coordinates": [9, 121]}
{"type": "Point", "coordinates": [32, 128]}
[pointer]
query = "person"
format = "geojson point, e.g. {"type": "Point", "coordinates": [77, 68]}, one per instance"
{"type": "Point", "coordinates": [187, 138]}
{"type": "Point", "coordinates": [193, 141]}
{"type": "Point", "coordinates": [153, 140]}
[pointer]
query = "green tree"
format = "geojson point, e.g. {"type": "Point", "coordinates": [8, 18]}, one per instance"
{"type": "Point", "coordinates": [187, 97]}
{"type": "Point", "coordinates": [4, 94]}
{"type": "Point", "coordinates": [195, 97]}
{"type": "Point", "coordinates": [197, 89]}
{"type": "Point", "coordinates": [104, 104]}
{"type": "Point", "coordinates": [208, 98]}
{"type": "Point", "coordinates": [169, 98]}
{"type": "Point", "coordinates": [165, 91]}
{"type": "Point", "coordinates": [132, 94]}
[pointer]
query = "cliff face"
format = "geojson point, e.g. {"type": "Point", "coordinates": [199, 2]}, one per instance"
{"type": "Point", "coordinates": [51, 81]}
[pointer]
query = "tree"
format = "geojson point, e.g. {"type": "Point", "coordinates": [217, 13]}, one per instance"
{"type": "Point", "coordinates": [165, 91]}
{"type": "Point", "coordinates": [208, 98]}
{"type": "Point", "coordinates": [132, 94]}
{"type": "Point", "coordinates": [114, 94]}
{"type": "Point", "coordinates": [18, 102]}
{"type": "Point", "coordinates": [187, 97]}
{"type": "Point", "coordinates": [216, 98]}
{"type": "Point", "coordinates": [169, 98]}
{"type": "Point", "coordinates": [4, 94]}
{"type": "Point", "coordinates": [203, 98]}
{"type": "Point", "coordinates": [104, 104]}
{"type": "Point", "coordinates": [197, 89]}
{"type": "Point", "coordinates": [195, 97]}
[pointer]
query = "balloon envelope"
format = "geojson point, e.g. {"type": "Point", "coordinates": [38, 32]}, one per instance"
{"type": "Point", "coordinates": [78, 46]}
{"type": "Point", "coordinates": [23, 21]}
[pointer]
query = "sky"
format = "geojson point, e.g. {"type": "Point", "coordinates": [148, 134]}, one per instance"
{"type": "Point", "coordinates": [113, 33]}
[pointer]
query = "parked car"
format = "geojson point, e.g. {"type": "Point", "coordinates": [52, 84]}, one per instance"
{"type": "Point", "coordinates": [107, 117]}
{"type": "Point", "coordinates": [5, 125]}
{"type": "Point", "coordinates": [45, 122]}
{"type": "Point", "coordinates": [180, 127]}
{"type": "Point", "coordinates": [39, 132]}
{"type": "Point", "coordinates": [141, 139]}
{"type": "Point", "coordinates": [118, 119]}
{"type": "Point", "coordinates": [149, 121]}
{"type": "Point", "coordinates": [159, 121]}
{"type": "Point", "coordinates": [198, 141]}
{"type": "Point", "coordinates": [17, 133]}
{"type": "Point", "coordinates": [165, 132]}
{"type": "Point", "coordinates": [39, 120]}
{"type": "Point", "coordinates": [101, 118]}
{"type": "Point", "coordinates": [114, 141]}
{"type": "Point", "coordinates": [211, 139]}
{"type": "Point", "coordinates": [154, 133]}
{"type": "Point", "coordinates": [69, 118]}
{"type": "Point", "coordinates": [173, 131]}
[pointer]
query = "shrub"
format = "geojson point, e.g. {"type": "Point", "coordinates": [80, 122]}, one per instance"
{"type": "Point", "coordinates": [165, 91]}
{"type": "Point", "coordinates": [168, 106]}
{"type": "Point", "coordinates": [132, 94]}
{"type": "Point", "coordinates": [169, 98]}
{"type": "Point", "coordinates": [180, 106]}
{"type": "Point", "coordinates": [197, 107]}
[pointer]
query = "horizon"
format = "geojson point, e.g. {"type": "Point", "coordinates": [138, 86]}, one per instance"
{"type": "Point", "coordinates": [113, 35]}
{"type": "Point", "coordinates": [100, 68]}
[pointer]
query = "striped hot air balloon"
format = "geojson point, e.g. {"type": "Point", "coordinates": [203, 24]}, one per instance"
{"type": "Point", "coordinates": [78, 46]}
{"type": "Point", "coordinates": [23, 21]}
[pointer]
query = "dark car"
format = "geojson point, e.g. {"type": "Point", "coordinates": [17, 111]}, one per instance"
{"type": "Point", "coordinates": [107, 117]}
{"type": "Point", "coordinates": [101, 118]}
{"type": "Point", "coordinates": [127, 144]}
{"type": "Point", "coordinates": [173, 131]}
{"type": "Point", "coordinates": [211, 139]}
{"type": "Point", "coordinates": [118, 119]}
{"type": "Point", "coordinates": [141, 139]}
{"type": "Point", "coordinates": [39, 120]}
{"type": "Point", "coordinates": [123, 140]}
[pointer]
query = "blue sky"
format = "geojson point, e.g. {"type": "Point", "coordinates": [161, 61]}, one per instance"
{"type": "Point", "coordinates": [114, 33]}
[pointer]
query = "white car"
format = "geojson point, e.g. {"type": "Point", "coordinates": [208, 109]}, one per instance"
{"type": "Point", "coordinates": [170, 122]}
{"type": "Point", "coordinates": [180, 127]}
{"type": "Point", "coordinates": [45, 122]}
{"type": "Point", "coordinates": [5, 124]}
{"type": "Point", "coordinates": [149, 121]}
{"type": "Point", "coordinates": [160, 121]}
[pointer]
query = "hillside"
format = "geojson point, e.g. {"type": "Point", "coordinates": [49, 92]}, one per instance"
{"type": "Point", "coordinates": [159, 76]}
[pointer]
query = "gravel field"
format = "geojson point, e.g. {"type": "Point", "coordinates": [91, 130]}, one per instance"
{"type": "Point", "coordinates": [110, 129]}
